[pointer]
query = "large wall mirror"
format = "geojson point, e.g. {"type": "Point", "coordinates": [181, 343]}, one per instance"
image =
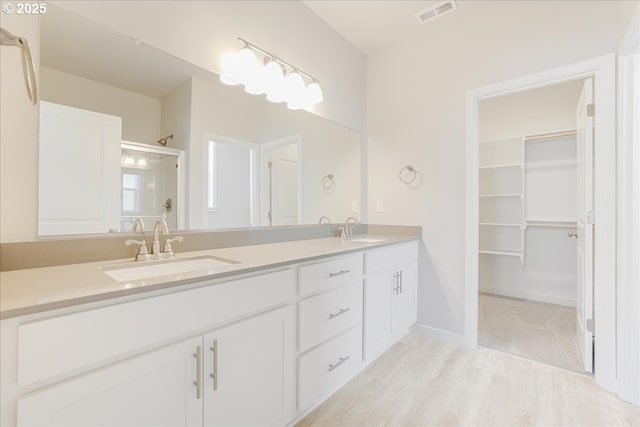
{"type": "Point", "coordinates": [130, 134]}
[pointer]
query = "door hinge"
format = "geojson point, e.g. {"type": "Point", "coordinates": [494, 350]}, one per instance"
{"type": "Point", "coordinates": [590, 217]}
{"type": "Point", "coordinates": [590, 325]}
{"type": "Point", "coordinates": [590, 110]}
{"type": "Point", "coordinates": [269, 165]}
{"type": "Point", "coordinates": [269, 215]}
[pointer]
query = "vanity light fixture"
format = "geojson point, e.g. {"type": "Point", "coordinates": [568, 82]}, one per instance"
{"type": "Point", "coordinates": [142, 162]}
{"type": "Point", "coordinates": [260, 72]}
{"type": "Point", "coordinates": [128, 161]}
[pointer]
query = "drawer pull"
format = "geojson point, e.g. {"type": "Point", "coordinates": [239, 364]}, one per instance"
{"type": "Point", "coordinates": [340, 362]}
{"type": "Point", "coordinates": [339, 313]}
{"type": "Point", "coordinates": [198, 356]}
{"type": "Point", "coordinates": [339, 273]}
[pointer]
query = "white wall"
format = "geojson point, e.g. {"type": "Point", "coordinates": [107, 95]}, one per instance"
{"type": "Point", "coordinates": [215, 111]}
{"type": "Point", "coordinates": [549, 274]}
{"type": "Point", "coordinates": [140, 114]}
{"type": "Point", "coordinates": [201, 31]}
{"type": "Point", "coordinates": [416, 114]}
{"type": "Point", "coordinates": [18, 136]}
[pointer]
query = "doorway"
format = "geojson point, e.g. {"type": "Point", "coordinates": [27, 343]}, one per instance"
{"type": "Point", "coordinates": [530, 257]}
{"type": "Point", "coordinates": [280, 182]}
{"type": "Point", "coordinates": [602, 71]}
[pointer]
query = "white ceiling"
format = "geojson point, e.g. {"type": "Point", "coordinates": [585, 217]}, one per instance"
{"type": "Point", "coordinates": [373, 24]}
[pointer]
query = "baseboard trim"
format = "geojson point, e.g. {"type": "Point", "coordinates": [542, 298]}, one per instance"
{"type": "Point", "coordinates": [529, 295]}
{"type": "Point", "coordinates": [439, 334]}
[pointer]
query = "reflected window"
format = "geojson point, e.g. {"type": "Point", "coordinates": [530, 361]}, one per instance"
{"type": "Point", "coordinates": [131, 193]}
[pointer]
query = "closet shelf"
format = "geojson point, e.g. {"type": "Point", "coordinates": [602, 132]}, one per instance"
{"type": "Point", "coordinates": [551, 224]}
{"type": "Point", "coordinates": [501, 195]}
{"type": "Point", "coordinates": [506, 166]}
{"type": "Point", "coordinates": [505, 253]}
{"type": "Point", "coordinates": [500, 224]}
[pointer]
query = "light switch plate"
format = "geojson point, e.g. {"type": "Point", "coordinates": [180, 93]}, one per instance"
{"type": "Point", "coordinates": [379, 206]}
{"type": "Point", "coordinates": [354, 206]}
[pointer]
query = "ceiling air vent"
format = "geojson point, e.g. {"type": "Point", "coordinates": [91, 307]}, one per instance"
{"type": "Point", "coordinates": [436, 11]}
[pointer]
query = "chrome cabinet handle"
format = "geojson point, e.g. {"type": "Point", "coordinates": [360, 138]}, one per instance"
{"type": "Point", "coordinates": [338, 363]}
{"type": "Point", "coordinates": [214, 374]}
{"type": "Point", "coordinates": [339, 313]}
{"type": "Point", "coordinates": [339, 273]}
{"type": "Point", "coordinates": [400, 275]}
{"type": "Point", "coordinates": [198, 356]}
{"type": "Point", "coordinates": [396, 287]}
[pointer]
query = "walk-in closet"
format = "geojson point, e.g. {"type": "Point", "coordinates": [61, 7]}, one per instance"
{"type": "Point", "coordinates": [529, 196]}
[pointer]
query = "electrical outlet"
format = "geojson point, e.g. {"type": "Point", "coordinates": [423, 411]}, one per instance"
{"type": "Point", "coordinates": [379, 206]}
{"type": "Point", "coordinates": [354, 206]}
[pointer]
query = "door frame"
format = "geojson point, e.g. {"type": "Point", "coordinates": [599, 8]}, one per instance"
{"type": "Point", "coordinates": [603, 71]}
{"type": "Point", "coordinates": [270, 145]}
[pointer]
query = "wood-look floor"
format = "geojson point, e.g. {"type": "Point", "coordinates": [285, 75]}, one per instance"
{"type": "Point", "coordinates": [531, 329]}
{"type": "Point", "coordinates": [424, 382]}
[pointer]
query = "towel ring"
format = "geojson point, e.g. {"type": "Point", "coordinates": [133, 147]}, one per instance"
{"type": "Point", "coordinates": [28, 67]}
{"type": "Point", "coordinates": [409, 176]}
{"type": "Point", "coordinates": [327, 182]}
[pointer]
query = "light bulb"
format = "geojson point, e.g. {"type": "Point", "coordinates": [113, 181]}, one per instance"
{"type": "Point", "coordinates": [142, 162]}
{"type": "Point", "coordinates": [294, 91]}
{"type": "Point", "coordinates": [230, 70]}
{"type": "Point", "coordinates": [274, 82]}
{"type": "Point", "coordinates": [128, 161]}
{"type": "Point", "coordinates": [254, 82]}
{"type": "Point", "coordinates": [314, 93]}
{"type": "Point", "coordinates": [247, 66]}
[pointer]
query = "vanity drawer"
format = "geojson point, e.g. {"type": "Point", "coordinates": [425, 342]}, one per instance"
{"type": "Point", "coordinates": [381, 259]}
{"type": "Point", "coordinates": [52, 347]}
{"type": "Point", "coordinates": [329, 274]}
{"type": "Point", "coordinates": [324, 369]}
{"type": "Point", "coordinates": [326, 315]}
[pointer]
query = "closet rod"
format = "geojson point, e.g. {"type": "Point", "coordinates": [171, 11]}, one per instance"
{"type": "Point", "coordinates": [549, 135]}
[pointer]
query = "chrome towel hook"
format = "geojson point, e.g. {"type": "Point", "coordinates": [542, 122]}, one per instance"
{"type": "Point", "coordinates": [28, 67]}
{"type": "Point", "coordinates": [409, 176]}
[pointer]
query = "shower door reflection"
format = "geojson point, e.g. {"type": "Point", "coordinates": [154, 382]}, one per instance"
{"type": "Point", "coordinates": [151, 186]}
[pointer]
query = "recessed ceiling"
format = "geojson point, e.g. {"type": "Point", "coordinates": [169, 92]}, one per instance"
{"type": "Point", "coordinates": [371, 25]}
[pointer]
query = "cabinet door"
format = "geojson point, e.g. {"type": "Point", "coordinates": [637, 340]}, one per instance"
{"type": "Point", "coordinates": [154, 389]}
{"type": "Point", "coordinates": [404, 306]}
{"type": "Point", "coordinates": [377, 307]}
{"type": "Point", "coordinates": [249, 371]}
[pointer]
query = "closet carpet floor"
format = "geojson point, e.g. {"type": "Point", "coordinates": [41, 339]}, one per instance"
{"type": "Point", "coordinates": [531, 329]}
{"type": "Point", "coordinates": [423, 382]}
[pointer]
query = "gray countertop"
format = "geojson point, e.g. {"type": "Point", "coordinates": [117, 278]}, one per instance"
{"type": "Point", "coordinates": [41, 289]}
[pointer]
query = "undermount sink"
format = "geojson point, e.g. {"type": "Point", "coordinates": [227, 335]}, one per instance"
{"type": "Point", "coordinates": [146, 270]}
{"type": "Point", "coordinates": [367, 240]}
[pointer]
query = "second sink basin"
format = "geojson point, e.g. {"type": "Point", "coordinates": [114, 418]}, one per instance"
{"type": "Point", "coordinates": [367, 240]}
{"type": "Point", "coordinates": [145, 270]}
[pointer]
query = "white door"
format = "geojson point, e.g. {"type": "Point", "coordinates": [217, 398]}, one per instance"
{"type": "Point", "coordinates": [404, 306]}
{"type": "Point", "coordinates": [248, 374]}
{"type": "Point", "coordinates": [584, 303]}
{"type": "Point", "coordinates": [79, 171]}
{"type": "Point", "coordinates": [154, 389]}
{"type": "Point", "coordinates": [281, 189]}
{"type": "Point", "coordinates": [378, 294]}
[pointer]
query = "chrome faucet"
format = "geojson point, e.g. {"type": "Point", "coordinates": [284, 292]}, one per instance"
{"type": "Point", "coordinates": [349, 229]}
{"type": "Point", "coordinates": [155, 246]}
{"type": "Point", "coordinates": [138, 225]}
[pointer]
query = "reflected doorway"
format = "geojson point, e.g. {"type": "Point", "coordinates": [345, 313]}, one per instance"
{"type": "Point", "coordinates": [280, 184]}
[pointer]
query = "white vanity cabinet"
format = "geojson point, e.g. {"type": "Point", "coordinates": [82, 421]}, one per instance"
{"type": "Point", "coordinates": [390, 296]}
{"type": "Point", "coordinates": [329, 327]}
{"type": "Point", "coordinates": [249, 372]}
{"type": "Point", "coordinates": [153, 389]}
{"type": "Point", "coordinates": [135, 364]}
{"type": "Point", "coordinates": [237, 375]}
